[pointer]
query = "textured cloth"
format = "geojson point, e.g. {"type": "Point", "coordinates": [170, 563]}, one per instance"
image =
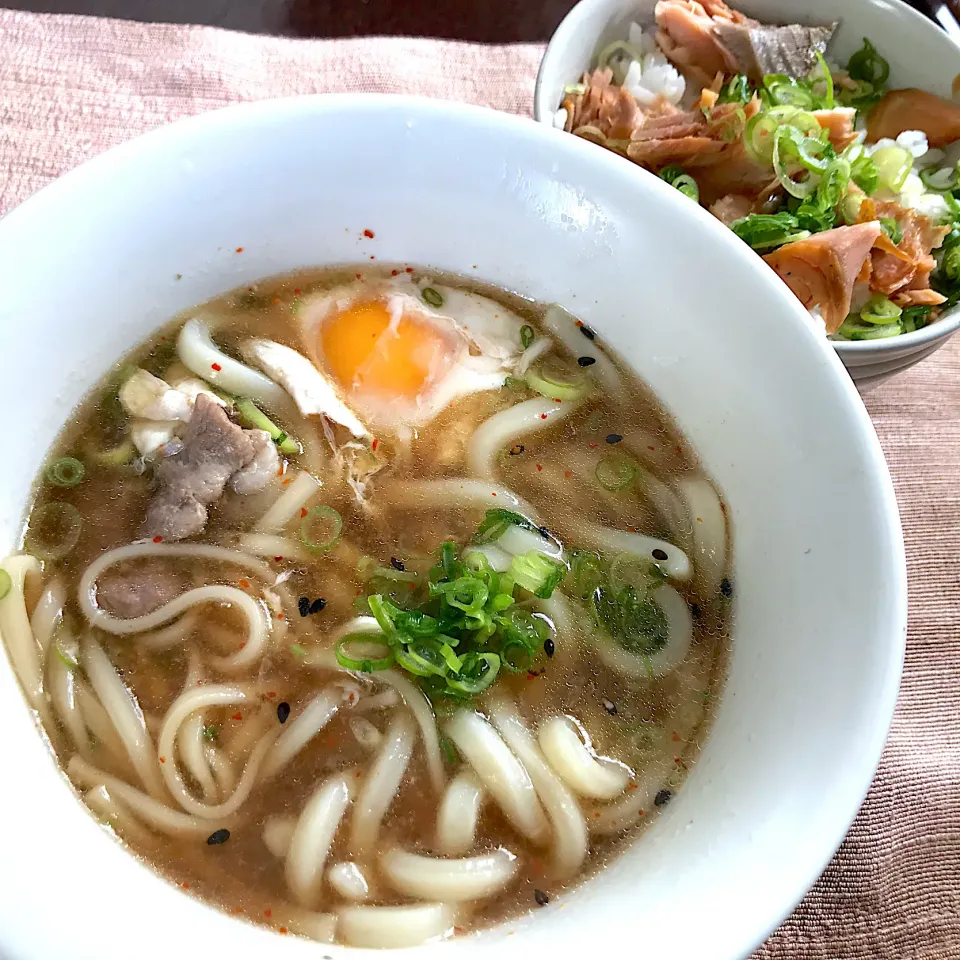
{"type": "Point", "coordinates": [70, 87]}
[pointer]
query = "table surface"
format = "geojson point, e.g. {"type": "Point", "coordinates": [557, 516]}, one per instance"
{"type": "Point", "coordinates": [485, 21]}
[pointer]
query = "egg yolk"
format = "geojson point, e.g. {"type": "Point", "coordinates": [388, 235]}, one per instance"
{"type": "Point", "coordinates": [370, 352]}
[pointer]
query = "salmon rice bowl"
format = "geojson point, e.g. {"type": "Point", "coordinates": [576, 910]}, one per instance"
{"type": "Point", "coordinates": [847, 187]}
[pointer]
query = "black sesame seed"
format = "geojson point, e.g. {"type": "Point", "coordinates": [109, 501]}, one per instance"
{"type": "Point", "coordinates": [695, 611]}
{"type": "Point", "coordinates": [549, 647]}
{"type": "Point", "coordinates": [317, 605]}
{"type": "Point", "coordinates": [610, 707]}
{"type": "Point", "coordinates": [659, 554]}
{"type": "Point", "coordinates": [283, 711]}
{"type": "Point", "coordinates": [661, 798]}
{"type": "Point", "coordinates": [303, 605]}
{"type": "Point", "coordinates": [613, 438]}
{"type": "Point", "coordinates": [218, 836]}
{"type": "Point", "coordinates": [397, 564]}
{"type": "Point", "coordinates": [517, 449]}
{"type": "Point", "coordinates": [543, 531]}
{"type": "Point", "coordinates": [586, 361]}
{"type": "Point", "coordinates": [541, 898]}
{"type": "Point", "coordinates": [726, 587]}
{"type": "Point", "coordinates": [587, 332]}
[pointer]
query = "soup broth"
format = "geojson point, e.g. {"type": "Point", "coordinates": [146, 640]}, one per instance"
{"type": "Point", "coordinates": [446, 637]}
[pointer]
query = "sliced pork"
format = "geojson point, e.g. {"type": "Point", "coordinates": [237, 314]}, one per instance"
{"type": "Point", "coordinates": [912, 109]}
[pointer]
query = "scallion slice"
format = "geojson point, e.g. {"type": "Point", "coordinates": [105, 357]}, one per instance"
{"type": "Point", "coordinates": [527, 336]}
{"type": "Point", "coordinates": [941, 180]}
{"type": "Point", "coordinates": [478, 671]}
{"type": "Point", "coordinates": [893, 164]}
{"type": "Point", "coordinates": [851, 330]}
{"type": "Point", "coordinates": [677, 177]}
{"type": "Point", "coordinates": [557, 380]}
{"type": "Point", "coordinates": [892, 229]}
{"type": "Point", "coordinates": [116, 456]}
{"type": "Point", "coordinates": [431, 296]}
{"type": "Point", "coordinates": [320, 529]}
{"type": "Point", "coordinates": [251, 414]}
{"type": "Point", "coordinates": [867, 65]}
{"type": "Point", "coordinates": [53, 530]}
{"type": "Point", "coordinates": [69, 661]}
{"type": "Point", "coordinates": [65, 472]}
{"type": "Point", "coordinates": [880, 311]}
{"type": "Point", "coordinates": [615, 472]}
{"type": "Point", "coordinates": [362, 662]}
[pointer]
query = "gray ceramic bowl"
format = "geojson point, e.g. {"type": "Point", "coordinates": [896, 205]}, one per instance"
{"type": "Point", "coordinates": [921, 55]}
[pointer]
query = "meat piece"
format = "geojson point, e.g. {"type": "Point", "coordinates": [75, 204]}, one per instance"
{"type": "Point", "coordinates": [687, 34]}
{"type": "Point", "coordinates": [613, 110]}
{"type": "Point", "coordinates": [821, 270]}
{"type": "Point", "coordinates": [912, 109]}
{"type": "Point", "coordinates": [839, 123]}
{"type": "Point", "coordinates": [148, 397]}
{"type": "Point", "coordinates": [909, 263]}
{"type": "Point", "coordinates": [213, 450]}
{"type": "Point", "coordinates": [261, 469]}
{"type": "Point", "coordinates": [130, 595]}
{"type": "Point", "coordinates": [760, 49]}
{"type": "Point", "coordinates": [918, 298]}
{"type": "Point", "coordinates": [731, 208]}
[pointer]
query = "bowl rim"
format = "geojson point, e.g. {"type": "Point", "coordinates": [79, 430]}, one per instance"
{"type": "Point", "coordinates": [944, 327]}
{"type": "Point", "coordinates": [489, 119]}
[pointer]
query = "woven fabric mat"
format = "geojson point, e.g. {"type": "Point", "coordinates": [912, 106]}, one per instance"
{"type": "Point", "coordinates": [71, 87]}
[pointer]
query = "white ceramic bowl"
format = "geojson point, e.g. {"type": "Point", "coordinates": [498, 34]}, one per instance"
{"type": "Point", "coordinates": [96, 261]}
{"type": "Point", "coordinates": [921, 54]}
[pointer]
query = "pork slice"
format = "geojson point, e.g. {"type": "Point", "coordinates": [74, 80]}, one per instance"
{"type": "Point", "coordinates": [256, 474]}
{"type": "Point", "coordinates": [760, 49]}
{"type": "Point", "coordinates": [135, 594]}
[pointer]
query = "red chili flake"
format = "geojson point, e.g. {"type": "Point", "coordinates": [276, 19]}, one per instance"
{"type": "Point", "coordinates": [368, 234]}
{"type": "Point", "coordinates": [280, 472]}
{"type": "Point", "coordinates": [596, 816]}
{"type": "Point", "coordinates": [358, 276]}
{"type": "Point", "coordinates": [543, 416]}
{"type": "Point", "coordinates": [216, 367]}
{"type": "Point", "coordinates": [579, 323]}
{"type": "Point", "coordinates": [676, 737]}
{"type": "Point", "coordinates": [458, 929]}
{"type": "Point", "coordinates": [409, 269]}
{"type": "Point", "coordinates": [284, 482]}
{"type": "Point", "coordinates": [567, 474]}
{"type": "Point", "coordinates": [296, 291]}
{"type": "Point", "coordinates": [239, 249]}
{"type": "Point", "coordinates": [275, 300]}
{"type": "Point", "coordinates": [723, 507]}
{"type": "Point", "coordinates": [163, 338]}
{"type": "Point", "coordinates": [393, 273]}
{"type": "Point", "coordinates": [539, 466]}
{"type": "Point", "coordinates": [244, 583]}
{"type": "Point", "coordinates": [678, 449]}
{"type": "Point", "coordinates": [632, 786]}
{"type": "Point", "coordinates": [158, 539]}
{"type": "Point", "coordinates": [278, 559]}
{"type": "Point", "coordinates": [271, 693]}
{"type": "Point", "coordinates": [236, 909]}
{"type": "Point", "coordinates": [186, 886]}
{"type": "Point", "coordinates": [556, 400]}
{"type": "Point", "coordinates": [250, 289]}
{"type": "Point", "coordinates": [593, 446]}
{"type": "Point", "coordinates": [358, 774]}
{"type": "Point", "coordinates": [268, 913]}
{"type": "Point", "coordinates": [372, 257]}
{"type": "Point", "coordinates": [280, 616]}
{"type": "Point", "coordinates": [641, 813]}
{"type": "Point", "coordinates": [331, 741]}
{"type": "Point", "coordinates": [375, 444]}
{"type": "Point", "coordinates": [632, 529]}
{"type": "Point", "coordinates": [282, 930]}
{"type": "Point", "coordinates": [237, 716]}
{"type": "Point", "coordinates": [303, 511]}
{"type": "Point", "coordinates": [163, 759]}
{"type": "Point", "coordinates": [649, 447]}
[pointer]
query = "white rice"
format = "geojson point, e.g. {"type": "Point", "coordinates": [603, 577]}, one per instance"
{"type": "Point", "coordinates": [653, 76]}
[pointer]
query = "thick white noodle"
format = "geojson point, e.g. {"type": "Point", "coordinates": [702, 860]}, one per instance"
{"type": "Point", "coordinates": [313, 836]}
{"type": "Point", "coordinates": [365, 733]}
{"type": "Point", "coordinates": [668, 504]}
{"type": "Point", "coordinates": [498, 559]}
{"type": "Point", "coordinates": [190, 743]}
{"type": "Point", "coordinates": [125, 714]}
{"type": "Point", "coordinates": [221, 768]}
{"type": "Point", "coordinates": [98, 723]}
{"type": "Point", "coordinates": [288, 505]}
{"type": "Point", "coordinates": [458, 879]}
{"type": "Point", "coordinates": [307, 923]}
{"type": "Point", "coordinates": [569, 827]}
{"type": "Point", "coordinates": [612, 818]}
{"type": "Point", "coordinates": [563, 325]}
{"type": "Point", "coordinates": [48, 613]}
{"type": "Point", "coordinates": [62, 687]}
{"type": "Point", "coordinates": [277, 832]}
{"type": "Point", "coordinates": [574, 762]}
{"type": "Point", "coordinates": [299, 732]}
{"type": "Point", "coordinates": [386, 927]}
{"type": "Point", "coordinates": [201, 698]}
{"type": "Point", "coordinates": [152, 812]}
{"type": "Point", "coordinates": [670, 655]}
{"type": "Point", "coordinates": [349, 881]}
{"type": "Point", "coordinates": [172, 635]}
{"type": "Point", "coordinates": [459, 815]}
{"type": "Point", "coordinates": [379, 701]}
{"type": "Point", "coordinates": [516, 540]}
{"type": "Point", "coordinates": [457, 492]}
{"type": "Point", "coordinates": [110, 811]}
{"type": "Point", "coordinates": [200, 354]}
{"type": "Point", "coordinates": [268, 545]}
{"type": "Point", "coordinates": [381, 783]}
{"type": "Point", "coordinates": [502, 429]}
{"type": "Point", "coordinates": [709, 534]}
{"type": "Point", "coordinates": [676, 566]}
{"type": "Point", "coordinates": [249, 733]}
{"type": "Point", "coordinates": [500, 772]}
{"type": "Point", "coordinates": [415, 701]}
{"type": "Point", "coordinates": [563, 620]}
{"type": "Point", "coordinates": [539, 347]}
{"type": "Point", "coordinates": [17, 634]}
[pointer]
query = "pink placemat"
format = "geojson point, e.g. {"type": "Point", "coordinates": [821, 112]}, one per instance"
{"type": "Point", "coordinates": [71, 87]}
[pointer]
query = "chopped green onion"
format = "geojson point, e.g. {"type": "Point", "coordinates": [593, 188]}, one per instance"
{"type": "Point", "coordinates": [880, 310]}
{"type": "Point", "coordinates": [758, 137]}
{"type": "Point", "coordinates": [557, 380]}
{"type": "Point", "coordinates": [736, 90]}
{"type": "Point", "coordinates": [914, 318]}
{"type": "Point", "coordinates": [782, 90]}
{"type": "Point", "coordinates": [785, 149]}
{"type": "Point", "coordinates": [893, 164]}
{"type": "Point", "coordinates": [298, 650]}
{"type": "Point", "coordinates": [586, 574]}
{"type": "Point", "coordinates": [527, 336]}
{"type": "Point", "coordinates": [515, 383]}
{"type": "Point", "coordinates": [67, 659]}
{"type": "Point", "coordinates": [495, 524]}
{"type": "Point", "coordinates": [763, 231]}
{"type": "Point", "coordinates": [116, 456]}
{"type": "Point", "coordinates": [826, 98]}
{"type": "Point", "coordinates": [539, 574]}
{"type": "Point", "coordinates": [677, 177]}
{"type": "Point", "coordinates": [613, 49]}
{"type": "Point", "coordinates": [850, 207]}
{"type": "Point", "coordinates": [250, 413]}
{"type": "Point", "coordinates": [516, 656]}
{"type": "Point", "coordinates": [864, 173]}
{"type": "Point", "coordinates": [320, 529]}
{"type": "Point", "coordinates": [479, 670]}
{"type": "Point", "coordinates": [210, 733]}
{"type": "Point", "coordinates": [5, 583]}
{"type": "Point", "coordinates": [867, 65]}
{"type": "Point", "coordinates": [53, 530]}
{"type": "Point", "coordinates": [431, 296]}
{"type": "Point", "coordinates": [851, 330]}
{"type": "Point", "coordinates": [65, 472]}
{"type": "Point", "coordinates": [449, 752]}
{"type": "Point", "coordinates": [892, 229]}
{"type": "Point", "coordinates": [362, 663]}
{"type": "Point", "coordinates": [615, 472]}
{"type": "Point", "coordinates": [576, 89]}
{"type": "Point", "coordinates": [941, 180]}
{"type": "Point", "coordinates": [635, 622]}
